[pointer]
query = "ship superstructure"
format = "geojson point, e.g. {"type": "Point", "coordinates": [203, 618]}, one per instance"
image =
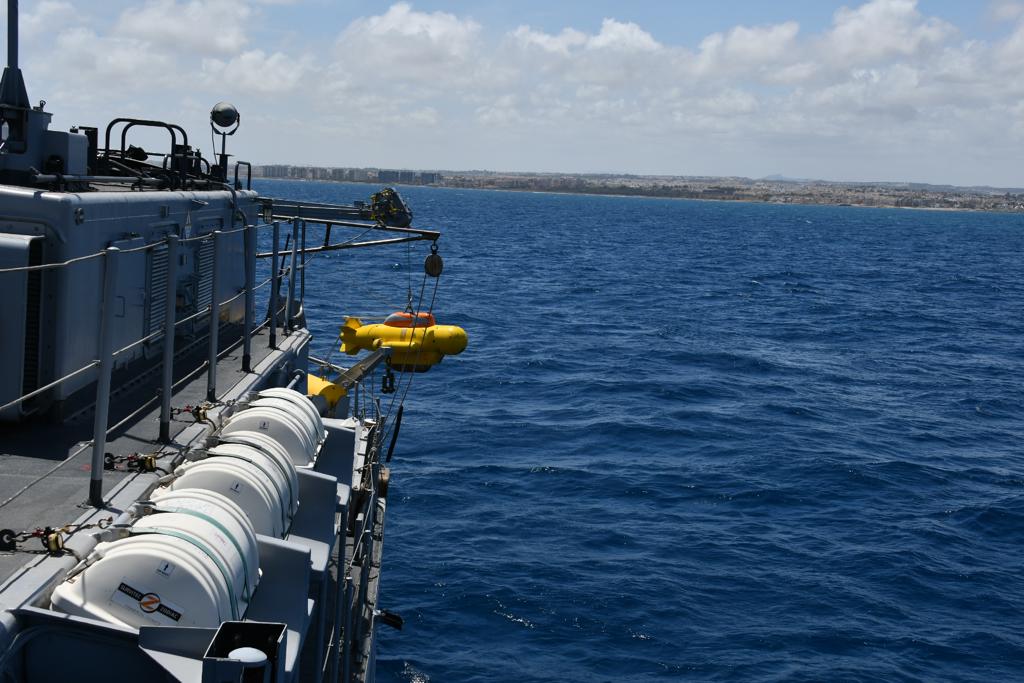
{"type": "Point", "coordinates": [175, 506]}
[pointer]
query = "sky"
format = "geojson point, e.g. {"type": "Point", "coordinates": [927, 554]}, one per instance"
{"type": "Point", "coordinates": [882, 90]}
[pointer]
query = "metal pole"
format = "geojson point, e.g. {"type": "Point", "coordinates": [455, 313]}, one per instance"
{"type": "Point", "coordinates": [346, 651]}
{"type": "Point", "coordinates": [170, 314]}
{"type": "Point", "coordinates": [105, 349]}
{"type": "Point", "coordinates": [302, 274]}
{"type": "Point", "coordinates": [211, 370]}
{"type": "Point", "coordinates": [250, 283]}
{"type": "Point", "coordinates": [340, 610]}
{"type": "Point", "coordinates": [12, 34]}
{"type": "Point", "coordinates": [364, 575]}
{"type": "Point", "coordinates": [275, 285]}
{"type": "Point", "coordinates": [289, 303]}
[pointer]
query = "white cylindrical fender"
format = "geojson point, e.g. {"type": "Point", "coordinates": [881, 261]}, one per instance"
{"type": "Point", "coordinates": [297, 413]}
{"type": "Point", "coordinates": [302, 402]}
{"type": "Point", "coordinates": [247, 477]}
{"type": "Point", "coordinates": [278, 425]}
{"type": "Point", "coordinates": [229, 517]}
{"type": "Point", "coordinates": [194, 566]}
{"type": "Point", "coordinates": [272, 448]}
{"type": "Point", "coordinates": [125, 585]}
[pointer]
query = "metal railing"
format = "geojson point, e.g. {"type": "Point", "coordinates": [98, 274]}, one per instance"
{"type": "Point", "coordinates": [291, 265]}
{"type": "Point", "coordinates": [107, 354]}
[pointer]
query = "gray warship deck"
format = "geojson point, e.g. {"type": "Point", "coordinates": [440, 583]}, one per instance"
{"type": "Point", "coordinates": [30, 451]}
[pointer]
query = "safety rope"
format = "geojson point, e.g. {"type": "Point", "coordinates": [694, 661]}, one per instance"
{"type": "Point", "coordinates": [407, 370]}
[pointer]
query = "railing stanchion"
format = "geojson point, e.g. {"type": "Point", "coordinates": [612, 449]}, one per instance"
{"type": "Point", "coordinates": [275, 284]}
{"type": "Point", "coordinates": [290, 302]}
{"type": "Point", "coordinates": [340, 610]}
{"type": "Point", "coordinates": [104, 347]}
{"type": "Point", "coordinates": [170, 313]}
{"type": "Point", "coordinates": [250, 281]}
{"type": "Point", "coordinates": [302, 273]}
{"type": "Point", "coordinates": [346, 651]}
{"type": "Point", "coordinates": [211, 370]}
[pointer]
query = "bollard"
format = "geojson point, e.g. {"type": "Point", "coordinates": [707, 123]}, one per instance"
{"type": "Point", "coordinates": [104, 346]}
{"type": "Point", "coordinates": [170, 313]}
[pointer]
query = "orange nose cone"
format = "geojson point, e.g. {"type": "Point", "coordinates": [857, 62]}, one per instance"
{"type": "Point", "coordinates": [451, 340]}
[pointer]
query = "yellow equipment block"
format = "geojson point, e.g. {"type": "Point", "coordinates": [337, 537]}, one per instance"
{"type": "Point", "coordinates": [318, 386]}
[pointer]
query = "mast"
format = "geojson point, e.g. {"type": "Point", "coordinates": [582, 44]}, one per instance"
{"type": "Point", "coordinates": [12, 86]}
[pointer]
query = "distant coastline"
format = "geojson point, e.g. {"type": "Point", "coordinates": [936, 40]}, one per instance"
{"type": "Point", "coordinates": [765, 190]}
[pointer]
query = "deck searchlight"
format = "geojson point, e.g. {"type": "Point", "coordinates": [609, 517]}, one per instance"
{"type": "Point", "coordinates": [224, 121]}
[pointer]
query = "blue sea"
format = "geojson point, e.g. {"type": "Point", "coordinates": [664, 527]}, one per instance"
{"type": "Point", "coordinates": [701, 441]}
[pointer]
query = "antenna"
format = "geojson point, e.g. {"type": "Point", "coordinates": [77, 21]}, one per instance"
{"type": "Point", "coordinates": [12, 87]}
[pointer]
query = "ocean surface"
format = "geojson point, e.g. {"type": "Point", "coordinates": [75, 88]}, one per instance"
{"type": "Point", "coordinates": [701, 441]}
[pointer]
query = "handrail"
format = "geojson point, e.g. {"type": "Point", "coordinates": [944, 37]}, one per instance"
{"type": "Point", "coordinates": [248, 179]}
{"type": "Point", "coordinates": [51, 385]}
{"type": "Point", "coordinates": [142, 340]}
{"type": "Point", "coordinates": [48, 266]}
{"type": "Point", "coordinates": [145, 247]}
{"type": "Point", "coordinates": [170, 127]}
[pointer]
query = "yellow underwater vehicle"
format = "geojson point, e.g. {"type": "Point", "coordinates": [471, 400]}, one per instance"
{"type": "Point", "coordinates": [417, 343]}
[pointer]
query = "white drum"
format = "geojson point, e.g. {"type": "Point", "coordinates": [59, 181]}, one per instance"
{"type": "Point", "coordinates": [248, 477]}
{"type": "Point", "coordinates": [229, 518]}
{"type": "Point", "coordinates": [196, 566]}
{"type": "Point", "coordinates": [278, 425]}
{"type": "Point", "coordinates": [303, 403]}
{"type": "Point", "coordinates": [270, 447]}
{"type": "Point", "coordinates": [300, 416]}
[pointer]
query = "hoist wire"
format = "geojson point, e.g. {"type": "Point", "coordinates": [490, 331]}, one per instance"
{"type": "Point", "coordinates": [411, 373]}
{"type": "Point", "coordinates": [402, 373]}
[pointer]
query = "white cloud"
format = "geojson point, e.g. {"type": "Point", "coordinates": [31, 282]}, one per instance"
{"type": "Point", "coordinates": [743, 47]}
{"type": "Point", "coordinates": [202, 26]}
{"type": "Point", "coordinates": [46, 17]}
{"type": "Point", "coordinates": [256, 71]}
{"type": "Point", "coordinates": [1005, 10]}
{"type": "Point", "coordinates": [436, 36]}
{"type": "Point", "coordinates": [502, 111]}
{"type": "Point", "coordinates": [624, 36]}
{"type": "Point", "coordinates": [560, 43]}
{"type": "Point", "coordinates": [419, 53]}
{"type": "Point", "coordinates": [881, 29]}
